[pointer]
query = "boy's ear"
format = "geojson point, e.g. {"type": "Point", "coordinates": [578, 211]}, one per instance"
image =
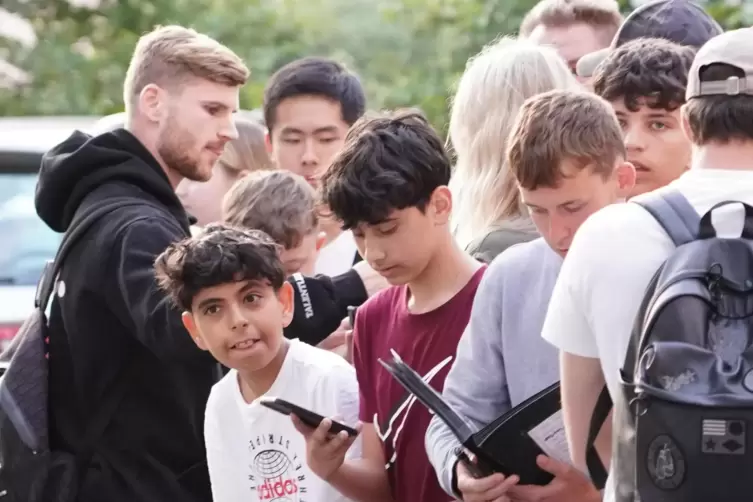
{"type": "Point", "coordinates": [441, 205]}
{"type": "Point", "coordinates": [286, 298]}
{"type": "Point", "coordinates": [190, 325]}
{"type": "Point", "coordinates": [625, 173]}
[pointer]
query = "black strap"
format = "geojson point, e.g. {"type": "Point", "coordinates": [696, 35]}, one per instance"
{"type": "Point", "coordinates": [707, 230]}
{"type": "Point", "coordinates": [593, 462]}
{"type": "Point", "coordinates": [674, 213]}
{"type": "Point", "coordinates": [81, 223]}
{"type": "Point", "coordinates": [77, 229]}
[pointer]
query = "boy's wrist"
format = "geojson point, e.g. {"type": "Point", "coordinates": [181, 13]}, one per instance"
{"type": "Point", "coordinates": [337, 475]}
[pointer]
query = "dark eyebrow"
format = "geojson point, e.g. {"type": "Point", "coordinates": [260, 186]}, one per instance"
{"type": "Point", "coordinates": [321, 130]}
{"type": "Point", "coordinates": [249, 284]}
{"type": "Point", "coordinates": [207, 302]}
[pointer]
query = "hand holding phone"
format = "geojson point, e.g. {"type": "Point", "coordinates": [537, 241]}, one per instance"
{"type": "Point", "coordinates": [308, 417]}
{"type": "Point", "coordinates": [327, 441]}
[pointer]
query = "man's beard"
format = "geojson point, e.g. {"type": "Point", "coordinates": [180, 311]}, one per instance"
{"type": "Point", "coordinates": [174, 147]}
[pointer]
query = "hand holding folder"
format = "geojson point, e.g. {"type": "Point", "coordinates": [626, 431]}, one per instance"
{"type": "Point", "coordinates": [511, 443]}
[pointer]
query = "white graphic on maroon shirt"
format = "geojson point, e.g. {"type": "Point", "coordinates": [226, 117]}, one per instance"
{"type": "Point", "coordinates": [391, 430]}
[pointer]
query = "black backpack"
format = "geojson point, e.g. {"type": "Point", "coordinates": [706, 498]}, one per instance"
{"type": "Point", "coordinates": [29, 470]}
{"type": "Point", "coordinates": [681, 420]}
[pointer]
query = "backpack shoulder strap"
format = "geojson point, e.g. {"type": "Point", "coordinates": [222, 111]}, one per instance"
{"type": "Point", "coordinates": [600, 414]}
{"type": "Point", "coordinates": [81, 223]}
{"type": "Point", "coordinates": [674, 213]}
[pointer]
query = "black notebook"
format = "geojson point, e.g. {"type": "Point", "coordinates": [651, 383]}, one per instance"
{"type": "Point", "coordinates": [511, 443]}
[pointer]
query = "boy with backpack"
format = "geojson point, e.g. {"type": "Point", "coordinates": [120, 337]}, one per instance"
{"type": "Point", "coordinates": [389, 184]}
{"type": "Point", "coordinates": [230, 284]}
{"type": "Point", "coordinates": [691, 354]}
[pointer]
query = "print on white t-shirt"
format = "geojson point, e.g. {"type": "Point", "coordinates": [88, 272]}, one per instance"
{"type": "Point", "coordinates": [254, 453]}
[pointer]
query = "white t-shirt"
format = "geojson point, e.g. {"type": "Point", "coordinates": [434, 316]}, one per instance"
{"type": "Point", "coordinates": [254, 453]}
{"type": "Point", "coordinates": [338, 256]}
{"type": "Point", "coordinates": [611, 261]}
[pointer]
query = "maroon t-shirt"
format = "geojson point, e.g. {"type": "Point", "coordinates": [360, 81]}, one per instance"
{"type": "Point", "coordinates": [427, 343]}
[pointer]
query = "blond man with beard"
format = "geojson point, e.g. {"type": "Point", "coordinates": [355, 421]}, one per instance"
{"type": "Point", "coordinates": [113, 337]}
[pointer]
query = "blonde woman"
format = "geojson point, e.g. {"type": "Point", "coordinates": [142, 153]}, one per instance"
{"type": "Point", "coordinates": [247, 153]}
{"type": "Point", "coordinates": [488, 216]}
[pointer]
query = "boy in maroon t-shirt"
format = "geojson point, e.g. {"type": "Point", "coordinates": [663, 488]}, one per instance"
{"type": "Point", "coordinates": [389, 185]}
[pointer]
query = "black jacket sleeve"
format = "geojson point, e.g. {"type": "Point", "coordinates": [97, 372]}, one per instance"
{"type": "Point", "coordinates": [140, 304]}
{"type": "Point", "coordinates": [321, 303]}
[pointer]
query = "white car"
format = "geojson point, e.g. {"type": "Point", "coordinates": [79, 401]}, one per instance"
{"type": "Point", "coordinates": [27, 242]}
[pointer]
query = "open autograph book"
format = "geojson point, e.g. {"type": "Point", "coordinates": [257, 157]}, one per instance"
{"type": "Point", "coordinates": [511, 443]}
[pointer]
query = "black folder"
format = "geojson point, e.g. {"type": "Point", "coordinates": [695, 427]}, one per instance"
{"type": "Point", "coordinates": [507, 444]}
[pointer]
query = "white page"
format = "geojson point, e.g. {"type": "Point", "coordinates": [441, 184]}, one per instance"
{"type": "Point", "coordinates": [550, 436]}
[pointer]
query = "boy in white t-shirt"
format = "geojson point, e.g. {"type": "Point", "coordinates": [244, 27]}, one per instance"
{"type": "Point", "coordinates": [618, 249]}
{"type": "Point", "coordinates": [230, 283]}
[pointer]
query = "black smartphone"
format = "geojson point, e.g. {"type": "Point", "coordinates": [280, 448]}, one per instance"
{"type": "Point", "coordinates": [308, 417]}
{"type": "Point", "coordinates": [352, 316]}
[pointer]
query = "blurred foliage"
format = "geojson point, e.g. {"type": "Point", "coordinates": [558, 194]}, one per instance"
{"type": "Point", "coordinates": [408, 52]}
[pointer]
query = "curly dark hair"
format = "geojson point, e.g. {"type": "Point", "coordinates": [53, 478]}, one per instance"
{"type": "Point", "coordinates": [221, 254]}
{"type": "Point", "coordinates": [649, 69]}
{"type": "Point", "coordinates": [389, 162]}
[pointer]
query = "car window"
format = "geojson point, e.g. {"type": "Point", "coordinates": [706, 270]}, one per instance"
{"type": "Point", "coordinates": [27, 241]}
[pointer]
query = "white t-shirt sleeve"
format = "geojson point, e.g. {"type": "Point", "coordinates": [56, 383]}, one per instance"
{"type": "Point", "coordinates": [602, 283]}
{"type": "Point", "coordinates": [566, 325]}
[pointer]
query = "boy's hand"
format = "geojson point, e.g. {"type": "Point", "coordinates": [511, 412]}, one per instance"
{"type": "Point", "coordinates": [568, 485]}
{"type": "Point", "coordinates": [492, 488]}
{"type": "Point", "coordinates": [325, 453]}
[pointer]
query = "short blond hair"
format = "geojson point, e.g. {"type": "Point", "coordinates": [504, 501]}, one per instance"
{"type": "Point", "coordinates": [602, 15]}
{"type": "Point", "coordinates": [170, 54]}
{"type": "Point", "coordinates": [563, 126]}
{"type": "Point", "coordinates": [279, 203]}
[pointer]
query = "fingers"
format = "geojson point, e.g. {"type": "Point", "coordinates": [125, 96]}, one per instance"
{"type": "Point", "coordinates": [552, 466]}
{"type": "Point", "coordinates": [322, 439]}
{"type": "Point", "coordinates": [304, 429]}
{"type": "Point", "coordinates": [489, 489]}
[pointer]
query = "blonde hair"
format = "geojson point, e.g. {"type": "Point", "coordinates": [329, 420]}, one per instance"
{"type": "Point", "coordinates": [170, 54]}
{"type": "Point", "coordinates": [602, 15]}
{"type": "Point", "coordinates": [246, 153]}
{"type": "Point", "coordinates": [496, 83]}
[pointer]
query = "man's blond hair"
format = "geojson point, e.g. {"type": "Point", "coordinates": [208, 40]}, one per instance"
{"type": "Point", "coordinates": [279, 203]}
{"type": "Point", "coordinates": [559, 126]}
{"type": "Point", "coordinates": [169, 55]}
{"type": "Point", "coordinates": [602, 15]}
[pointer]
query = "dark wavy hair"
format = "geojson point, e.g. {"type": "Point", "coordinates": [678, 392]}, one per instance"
{"type": "Point", "coordinates": [389, 162]}
{"type": "Point", "coordinates": [650, 70]}
{"type": "Point", "coordinates": [221, 254]}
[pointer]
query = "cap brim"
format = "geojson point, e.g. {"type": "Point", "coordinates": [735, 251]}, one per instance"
{"type": "Point", "coordinates": [586, 65]}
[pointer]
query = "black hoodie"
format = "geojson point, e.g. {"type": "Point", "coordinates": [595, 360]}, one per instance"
{"type": "Point", "coordinates": [108, 316]}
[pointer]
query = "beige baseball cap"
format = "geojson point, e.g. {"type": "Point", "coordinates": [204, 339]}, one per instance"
{"type": "Point", "coordinates": [733, 48]}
